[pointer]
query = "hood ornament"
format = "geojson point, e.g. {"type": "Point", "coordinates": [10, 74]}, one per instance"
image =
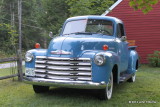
{"type": "Point", "coordinates": [61, 52]}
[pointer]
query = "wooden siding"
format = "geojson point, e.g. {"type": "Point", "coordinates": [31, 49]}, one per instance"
{"type": "Point", "coordinates": [143, 28]}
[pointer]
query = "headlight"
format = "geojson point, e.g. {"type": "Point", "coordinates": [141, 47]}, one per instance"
{"type": "Point", "coordinates": [99, 59]}
{"type": "Point", "coordinates": [29, 72]}
{"type": "Point", "coordinates": [28, 57]}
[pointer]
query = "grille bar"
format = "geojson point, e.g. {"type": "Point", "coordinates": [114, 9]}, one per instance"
{"type": "Point", "coordinates": [63, 68]}
{"type": "Point", "coordinates": [49, 76]}
{"type": "Point", "coordinates": [64, 73]}
{"type": "Point", "coordinates": [63, 63]}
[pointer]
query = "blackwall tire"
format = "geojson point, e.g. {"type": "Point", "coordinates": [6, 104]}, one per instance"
{"type": "Point", "coordinates": [40, 89]}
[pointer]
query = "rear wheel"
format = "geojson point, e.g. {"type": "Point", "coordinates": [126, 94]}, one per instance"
{"type": "Point", "coordinates": [133, 78]}
{"type": "Point", "coordinates": [40, 89]}
{"type": "Point", "coordinates": [106, 94]}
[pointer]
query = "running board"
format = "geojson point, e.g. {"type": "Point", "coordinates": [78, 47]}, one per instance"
{"type": "Point", "coordinates": [125, 77]}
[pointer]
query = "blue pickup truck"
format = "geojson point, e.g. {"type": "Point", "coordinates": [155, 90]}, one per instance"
{"type": "Point", "coordinates": [91, 52]}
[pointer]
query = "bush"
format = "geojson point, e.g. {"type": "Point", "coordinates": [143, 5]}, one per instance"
{"type": "Point", "coordinates": [154, 59]}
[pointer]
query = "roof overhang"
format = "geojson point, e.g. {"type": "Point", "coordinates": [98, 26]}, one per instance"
{"type": "Point", "coordinates": [112, 7]}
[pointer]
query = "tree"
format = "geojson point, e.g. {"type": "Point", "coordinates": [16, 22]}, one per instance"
{"type": "Point", "coordinates": [88, 7]}
{"type": "Point", "coordinates": [144, 5]}
{"type": "Point", "coordinates": [32, 31]}
{"type": "Point", "coordinates": [8, 38]}
{"type": "Point", "coordinates": [51, 14]}
{"type": "Point", "coordinates": [39, 17]}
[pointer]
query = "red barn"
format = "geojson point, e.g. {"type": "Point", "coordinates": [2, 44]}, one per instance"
{"type": "Point", "coordinates": [143, 28]}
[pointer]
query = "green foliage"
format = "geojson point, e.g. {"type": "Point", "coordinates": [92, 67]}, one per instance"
{"type": "Point", "coordinates": [8, 38]}
{"type": "Point", "coordinates": [32, 32]}
{"type": "Point", "coordinates": [154, 59]}
{"type": "Point", "coordinates": [2, 54]}
{"type": "Point", "coordinates": [51, 14]}
{"type": "Point", "coordinates": [88, 7]}
{"type": "Point", "coordinates": [144, 5]}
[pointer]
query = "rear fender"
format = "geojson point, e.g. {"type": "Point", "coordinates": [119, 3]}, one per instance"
{"type": "Point", "coordinates": [133, 60]}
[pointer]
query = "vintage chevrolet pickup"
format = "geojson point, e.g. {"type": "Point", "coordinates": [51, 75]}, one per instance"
{"type": "Point", "coordinates": [91, 53]}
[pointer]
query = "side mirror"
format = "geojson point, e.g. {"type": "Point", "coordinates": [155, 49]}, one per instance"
{"type": "Point", "coordinates": [123, 38]}
{"type": "Point", "coordinates": [51, 34]}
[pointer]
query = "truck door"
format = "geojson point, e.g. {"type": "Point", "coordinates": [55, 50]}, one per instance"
{"type": "Point", "coordinates": [123, 48]}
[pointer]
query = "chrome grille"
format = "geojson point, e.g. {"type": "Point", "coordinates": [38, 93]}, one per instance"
{"type": "Point", "coordinates": [75, 69]}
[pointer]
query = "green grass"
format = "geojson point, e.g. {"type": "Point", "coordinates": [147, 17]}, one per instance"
{"type": "Point", "coordinates": [146, 88]}
{"type": "Point", "coordinates": [8, 71]}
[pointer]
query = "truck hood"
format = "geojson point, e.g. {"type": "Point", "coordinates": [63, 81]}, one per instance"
{"type": "Point", "coordinates": [76, 45]}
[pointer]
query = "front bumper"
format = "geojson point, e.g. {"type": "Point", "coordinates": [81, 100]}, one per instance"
{"type": "Point", "coordinates": [64, 83]}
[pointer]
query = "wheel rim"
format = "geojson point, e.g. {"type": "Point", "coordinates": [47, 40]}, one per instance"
{"type": "Point", "coordinates": [109, 87]}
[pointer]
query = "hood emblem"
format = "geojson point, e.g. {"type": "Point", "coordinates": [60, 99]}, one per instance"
{"type": "Point", "coordinates": [61, 52]}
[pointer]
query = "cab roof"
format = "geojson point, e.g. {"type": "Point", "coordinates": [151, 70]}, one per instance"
{"type": "Point", "coordinates": [113, 19]}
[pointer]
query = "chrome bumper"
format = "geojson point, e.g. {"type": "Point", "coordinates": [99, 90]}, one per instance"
{"type": "Point", "coordinates": [66, 84]}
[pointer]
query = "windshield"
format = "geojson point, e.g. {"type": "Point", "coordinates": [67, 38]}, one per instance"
{"type": "Point", "coordinates": [89, 26]}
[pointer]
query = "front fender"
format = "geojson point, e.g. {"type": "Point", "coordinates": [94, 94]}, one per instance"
{"type": "Point", "coordinates": [35, 52]}
{"type": "Point", "coordinates": [102, 73]}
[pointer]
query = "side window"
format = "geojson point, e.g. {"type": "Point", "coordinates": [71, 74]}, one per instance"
{"type": "Point", "coordinates": [120, 30]}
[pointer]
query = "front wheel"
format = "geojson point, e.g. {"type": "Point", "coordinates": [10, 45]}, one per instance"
{"type": "Point", "coordinates": [106, 94]}
{"type": "Point", "coordinates": [40, 89]}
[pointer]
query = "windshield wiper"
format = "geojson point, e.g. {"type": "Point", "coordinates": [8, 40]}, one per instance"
{"type": "Point", "coordinates": [97, 33]}
{"type": "Point", "coordinates": [89, 33]}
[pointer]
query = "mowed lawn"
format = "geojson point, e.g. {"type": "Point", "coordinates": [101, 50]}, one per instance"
{"type": "Point", "coordinates": [145, 92]}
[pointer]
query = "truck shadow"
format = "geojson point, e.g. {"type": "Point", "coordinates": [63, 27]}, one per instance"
{"type": "Point", "coordinates": [69, 92]}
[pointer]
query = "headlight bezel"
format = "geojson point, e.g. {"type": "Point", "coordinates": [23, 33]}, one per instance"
{"type": "Point", "coordinates": [29, 57]}
{"type": "Point", "coordinates": [99, 59]}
